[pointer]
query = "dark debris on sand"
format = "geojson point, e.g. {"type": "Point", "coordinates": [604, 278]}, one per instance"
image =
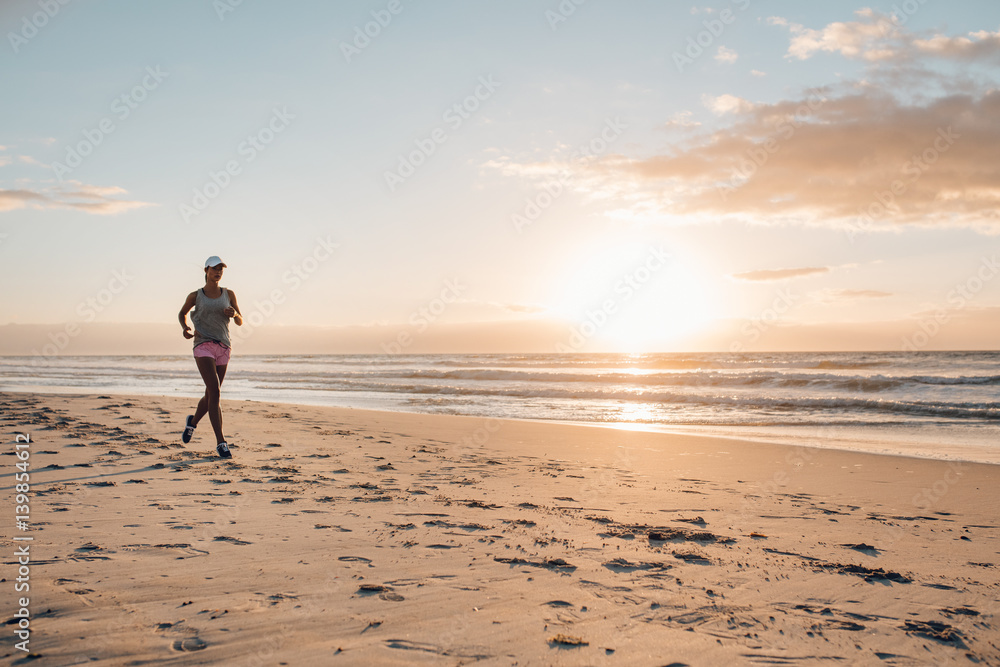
{"type": "Point", "coordinates": [657, 533]}
{"type": "Point", "coordinates": [567, 640]}
{"type": "Point", "coordinates": [549, 563]}
{"type": "Point", "coordinates": [939, 632]}
{"type": "Point", "coordinates": [623, 565]}
{"type": "Point", "coordinates": [867, 573]}
{"type": "Point", "coordinates": [691, 557]}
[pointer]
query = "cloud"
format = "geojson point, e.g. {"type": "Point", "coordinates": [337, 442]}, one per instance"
{"type": "Point", "coordinates": [757, 72]}
{"type": "Point", "coordinates": [570, 173]}
{"type": "Point", "coordinates": [726, 104]}
{"type": "Point", "coordinates": [520, 307]}
{"type": "Point", "coordinates": [846, 295]}
{"type": "Point", "coordinates": [725, 55]}
{"type": "Point", "coordinates": [867, 39]}
{"type": "Point", "coordinates": [93, 192]}
{"type": "Point", "coordinates": [93, 199]}
{"type": "Point", "coordinates": [876, 37]}
{"type": "Point", "coordinates": [507, 307]}
{"type": "Point", "coordinates": [862, 159]}
{"type": "Point", "coordinates": [14, 199]}
{"type": "Point", "coordinates": [682, 119]}
{"type": "Point", "coordinates": [6, 160]}
{"type": "Point", "coordinates": [981, 45]}
{"type": "Point", "coordinates": [780, 274]}
{"type": "Point", "coordinates": [909, 145]}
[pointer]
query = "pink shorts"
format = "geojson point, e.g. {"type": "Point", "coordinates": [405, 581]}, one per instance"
{"type": "Point", "coordinates": [217, 351]}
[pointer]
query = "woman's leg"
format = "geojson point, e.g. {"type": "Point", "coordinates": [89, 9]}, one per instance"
{"type": "Point", "coordinates": [213, 384]}
{"type": "Point", "coordinates": [202, 409]}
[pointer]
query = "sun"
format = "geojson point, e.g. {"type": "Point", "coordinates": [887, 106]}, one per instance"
{"type": "Point", "coordinates": [637, 297]}
{"type": "Point", "coordinates": [676, 307]}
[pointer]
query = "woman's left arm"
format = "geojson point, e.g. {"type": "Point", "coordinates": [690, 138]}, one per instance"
{"type": "Point", "coordinates": [237, 316]}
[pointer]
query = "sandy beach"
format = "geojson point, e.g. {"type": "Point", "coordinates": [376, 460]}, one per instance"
{"type": "Point", "coordinates": [340, 536]}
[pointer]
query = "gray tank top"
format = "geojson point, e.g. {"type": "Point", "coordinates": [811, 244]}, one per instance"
{"type": "Point", "coordinates": [209, 318]}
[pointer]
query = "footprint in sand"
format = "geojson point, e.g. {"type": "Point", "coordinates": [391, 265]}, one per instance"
{"type": "Point", "coordinates": [91, 551]}
{"type": "Point", "coordinates": [384, 592]}
{"type": "Point", "coordinates": [81, 593]}
{"type": "Point", "coordinates": [281, 597]}
{"type": "Point", "coordinates": [183, 548]}
{"type": "Point", "coordinates": [369, 589]}
{"type": "Point", "coordinates": [358, 559]}
{"type": "Point", "coordinates": [189, 644]}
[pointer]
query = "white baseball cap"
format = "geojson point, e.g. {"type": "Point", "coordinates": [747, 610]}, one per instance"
{"type": "Point", "coordinates": [214, 260]}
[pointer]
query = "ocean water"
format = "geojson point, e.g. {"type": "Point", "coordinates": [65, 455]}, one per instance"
{"type": "Point", "coordinates": [941, 404]}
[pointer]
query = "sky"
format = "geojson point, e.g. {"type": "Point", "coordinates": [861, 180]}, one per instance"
{"type": "Point", "coordinates": [518, 176]}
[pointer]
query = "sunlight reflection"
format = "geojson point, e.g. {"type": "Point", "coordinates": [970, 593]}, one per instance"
{"type": "Point", "coordinates": [633, 414]}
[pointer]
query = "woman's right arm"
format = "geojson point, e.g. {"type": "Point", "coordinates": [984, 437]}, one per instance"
{"type": "Point", "coordinates": [182, 316]}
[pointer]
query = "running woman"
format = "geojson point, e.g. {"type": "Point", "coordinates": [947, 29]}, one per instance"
{"type": "Point", "coordinates": [213, 307]}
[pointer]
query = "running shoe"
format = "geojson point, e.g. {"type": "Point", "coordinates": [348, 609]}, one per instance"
{"type": "Point", "coordinates": [188, 430]}
{"type": "Point", "coordinates": [223, 450]}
